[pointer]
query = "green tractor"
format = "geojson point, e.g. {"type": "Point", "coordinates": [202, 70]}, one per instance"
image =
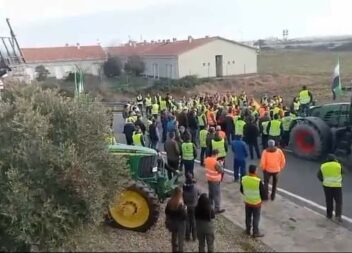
{"type": "Point", "coordinates": [327, 129]}
{"type": "Point", "coordinates": [137, 207]}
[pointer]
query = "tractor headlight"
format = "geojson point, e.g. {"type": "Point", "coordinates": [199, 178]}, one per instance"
{"type": "Point", "coordinates": [155, 169]}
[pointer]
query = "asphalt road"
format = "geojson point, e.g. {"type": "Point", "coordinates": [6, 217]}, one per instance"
{"type": "Point", "coordinates": [298, 180]}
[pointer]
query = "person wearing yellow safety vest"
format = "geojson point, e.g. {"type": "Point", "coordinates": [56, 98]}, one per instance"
{"type": "Point", "coordinates": [330, 174]}
{"type": "Point", "coordinates": [295, 105]}
{"type": "Point", "coordinates": [202, 121]}
{"type": "Point", "coordinates": [286, 124]}
{"type": "Point", "coordinates": [155, 109]}
{"type": "Point", "coordinates": [203, 143]}
{"type": "Point", "coordinates": [137, 137]}
{"type": "Point", "coordinates": [148, 105]}
{"type": "Point", "coordinates": [214, 171]}
{"type": "Point", "coordinates": [188, 154]}
{"type": "Point", "coordinates": [305, 99]}
{"type": "Point", "coordinates": [163, 104]}
{"type": "Point", "coordinates": [263, 125]}
{"type": "Point", "coordinates": [221, 145]}
{"type": "Point", "coordinates": [239, 127]}
{"type": "Point", "coordinates": [275, 129]}
{"type": "Point", "coordinates": [253, 192]}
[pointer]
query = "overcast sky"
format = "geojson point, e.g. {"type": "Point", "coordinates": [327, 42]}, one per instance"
{"type": "Point", "coordinates": [56, 22]}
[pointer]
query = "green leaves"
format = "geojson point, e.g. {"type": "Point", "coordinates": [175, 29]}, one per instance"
{"type": "Point", "coordinates": [55, 170]}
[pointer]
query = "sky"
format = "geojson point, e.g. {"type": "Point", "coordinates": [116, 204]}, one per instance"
{"type": "Point", "coordinates": [57, 22]}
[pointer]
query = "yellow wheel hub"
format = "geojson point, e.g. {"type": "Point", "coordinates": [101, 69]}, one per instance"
{"type": "Point", "coordinates": [130, 209]}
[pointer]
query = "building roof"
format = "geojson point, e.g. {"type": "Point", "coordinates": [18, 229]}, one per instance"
{"type": "Point", "coordinates": [172, 48]}
{"type": "Point", "coordinates": [59, 54]}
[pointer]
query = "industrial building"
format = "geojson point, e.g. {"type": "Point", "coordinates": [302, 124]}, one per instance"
{"type": "Point", "coordinates": [203, 57]}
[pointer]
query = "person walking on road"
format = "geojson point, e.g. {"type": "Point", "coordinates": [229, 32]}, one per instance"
{"type": "Point", "coordinates": [330, 174]}
{"type": "Point", "coordinates": [272, 163]}
{"type": "Point", "coordinates": [251, 134]}
{"type": "Point", "coordinates": [188, 153]}
{"type": "Point", "coordinates": [240, 154]}
{"type": "Point", "coordinates": [190, 197]}
{"type": "Point", "coordinates": [205, 215]}
{"type": "Point", "coordinates": [210, 138]}
{"type": "Point", "coordinates": [214, 172]}
{"type": "Point", "coordinates": [239, 126]}
{"type": "Point", "coordinates": [203, 143]}
{"type": "Point", "coordinates": [173, 153]}
{"type": "Point", "coordinates": [176, 214]}
{"type": "Point", "coordinates": [253, 191]}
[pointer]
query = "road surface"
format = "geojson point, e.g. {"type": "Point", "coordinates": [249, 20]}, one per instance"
{"type": "Point", "coordinates": [298, 181]}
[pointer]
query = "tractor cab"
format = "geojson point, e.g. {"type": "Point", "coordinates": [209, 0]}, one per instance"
{"type": "Point", "coordinates": [334, 115]}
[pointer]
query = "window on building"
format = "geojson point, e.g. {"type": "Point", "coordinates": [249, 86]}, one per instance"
{"type": "Point", "coordinates": [204, 64]}
{"type": "Point", "coordinates": [233, 62]}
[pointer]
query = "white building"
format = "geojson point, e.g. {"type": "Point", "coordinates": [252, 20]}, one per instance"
{"type": "Point", "coordinates": [59, 61]}
{"type": "Point", "coordinates": [203, 57]}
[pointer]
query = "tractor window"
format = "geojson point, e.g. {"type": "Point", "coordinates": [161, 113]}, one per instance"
{"type": "Point", "coordinates": [146, 165]}
{"type": "Point", "coordinates": [344, 115]}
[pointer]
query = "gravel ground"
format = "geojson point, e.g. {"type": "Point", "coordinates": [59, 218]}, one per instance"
{"type": "Point", "coordinates": [228, 238]}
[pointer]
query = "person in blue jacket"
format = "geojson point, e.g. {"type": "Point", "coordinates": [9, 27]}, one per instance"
{"type": "Point", "coordinates": [238, 147]}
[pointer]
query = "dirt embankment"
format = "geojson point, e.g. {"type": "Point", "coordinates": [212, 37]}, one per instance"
{"type": "Point", "coordinates": [228, 238]}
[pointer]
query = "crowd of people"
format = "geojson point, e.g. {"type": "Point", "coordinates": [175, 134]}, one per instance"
{"type": "Point", "coordinates": [214, 125]}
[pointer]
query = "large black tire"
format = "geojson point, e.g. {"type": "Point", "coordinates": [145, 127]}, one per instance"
{"type": "Point", "coordinates": [310, 138]}
{"type": "Point", "coordinates": [140, 191]}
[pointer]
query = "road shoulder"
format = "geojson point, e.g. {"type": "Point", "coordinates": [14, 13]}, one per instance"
{"type": "Point", "coordinates": [286, 225]}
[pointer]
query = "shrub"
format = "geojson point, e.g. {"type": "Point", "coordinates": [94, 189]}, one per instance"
{"type": "Point", "coordinates": [56, 172]}
{"type": "Point", "coordinates": [42, 73]}
{"type": "Point", "coordinates": [134, 65]}
{"type": "Point", "coordinates": [112, 67]}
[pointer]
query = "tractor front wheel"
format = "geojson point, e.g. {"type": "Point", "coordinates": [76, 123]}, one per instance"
{"type": "Point", "coordinates": [308, 141]}
{"type": "Point", "coordinates": [135, 208]}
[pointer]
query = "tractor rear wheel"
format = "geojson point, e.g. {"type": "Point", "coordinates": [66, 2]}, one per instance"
{"type": "Point", "coordinates": [135, 208]}
{"type": "Point", "coordinates": [310, 139]}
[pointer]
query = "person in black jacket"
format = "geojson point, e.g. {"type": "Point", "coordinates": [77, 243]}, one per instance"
{"type": "Point", "coordinates": [128, 130]}
{"type": "Point", "coordinates": [251, 134]}
{"type": "Point", "coordinates": [190, 197]}
{"type": "Point", "coordinates": [153, 134]}
{"type": "Point", "coordinates": [140, 123]}
{"type": "Point", "coordinates": [193, 126]}
{"type": "Point", "coordinates": [205, 214]}
{"type": "Point", "coordinates": [176, 213]}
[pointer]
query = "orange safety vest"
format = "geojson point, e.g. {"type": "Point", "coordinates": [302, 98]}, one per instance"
{"type": "Point", "coordinates": [210, 118]}
{"type": "Point", "coordinates": [210, 168]}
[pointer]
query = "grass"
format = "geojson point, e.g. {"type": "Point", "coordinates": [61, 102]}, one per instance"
{"type": "Point", "coordinates": [304, 62]}
{"type": "Point", "coordinates": [127, 83]}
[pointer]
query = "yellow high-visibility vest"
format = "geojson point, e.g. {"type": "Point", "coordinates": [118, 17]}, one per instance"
{"type": "Point", "coordinates": [155, 109]}
{"type": "Point", "coordinates": [220, 146]}
{"type": "Point", "coordinates": [187, 151]}
{"type": "Point", "coordinates": [265, 126]}
{"type": "Point", "coordinates": [332, 174]}
{"type": "Point", "coordinates": [239, 126]}
{"type": "Point", "coordinates": [148, 102]}
{"type": "Point", "coordinates": [203, 138]}
{"type": "Point", "coordinates": [251, 190]}
{"type": "Point", "coordinates": [286, 123]}
{"type": "Point", "coordinates": [275, 129]}
{"type": "Point", "coordinates": [304, 97]}
{"type": "Point", "coordinates": [136, 137]}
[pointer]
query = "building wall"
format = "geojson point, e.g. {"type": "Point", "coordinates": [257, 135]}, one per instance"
{"type": "Point", "coordinates": [60, 70]}
{"type": "Point", "coordinates": [201, 61]}
{"type": "Point", "coordinates": [161, 67]}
